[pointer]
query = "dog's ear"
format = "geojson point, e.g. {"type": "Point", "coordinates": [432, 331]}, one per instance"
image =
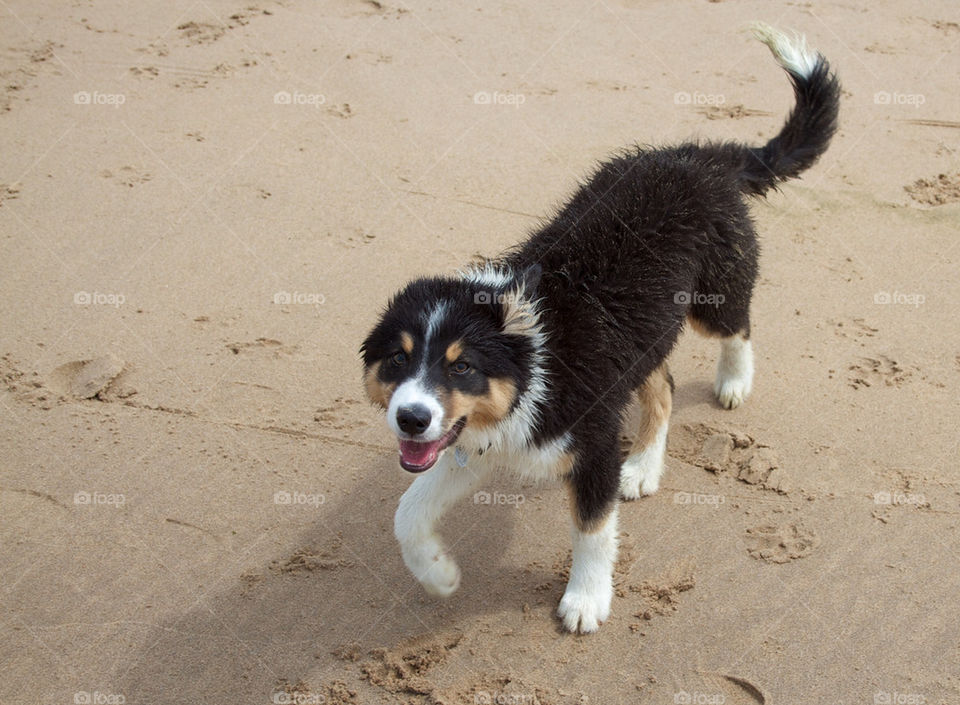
{"type": "Point", "coordinates": [519, 317]}
{"type": "Point", "coordinates": [528, 280]}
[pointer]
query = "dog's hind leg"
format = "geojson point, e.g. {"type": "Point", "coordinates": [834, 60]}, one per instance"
{"type": "Point", "coordinates": [720, 306]}
{"type": "Point", "coordinates": [641, 471]}
{"type": "Point", "coordinates": [421, 506]}
{"type": "Point", "coordinates": [727, 317]}
{"type": "Point", "coordinates": [734, 379]}
{"type": "Point", "coordinates": [734, 371]}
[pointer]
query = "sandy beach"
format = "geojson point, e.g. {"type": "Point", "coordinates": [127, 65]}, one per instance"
{"type": "Point", "coordinates": [205, 205]}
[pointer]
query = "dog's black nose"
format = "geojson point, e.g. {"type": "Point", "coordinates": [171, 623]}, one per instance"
{"type": "Point", "coordinates": [413, 419]}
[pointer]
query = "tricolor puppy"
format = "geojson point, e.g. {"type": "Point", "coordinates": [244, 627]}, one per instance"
{"type": "Point", "coordinates": [530, 361]}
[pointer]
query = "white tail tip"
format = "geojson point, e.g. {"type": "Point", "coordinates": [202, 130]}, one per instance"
{"type": "Point", "coordinates": [790, 50]}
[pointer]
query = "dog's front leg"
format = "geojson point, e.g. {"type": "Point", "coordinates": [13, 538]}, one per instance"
{"type": "Point", "coordinates": [421, 506]}
{"type": "Point", "coordinates": [586, 601]}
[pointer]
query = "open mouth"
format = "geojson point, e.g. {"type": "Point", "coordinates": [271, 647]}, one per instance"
{"type": "Point", "coordinates": [417, 456]}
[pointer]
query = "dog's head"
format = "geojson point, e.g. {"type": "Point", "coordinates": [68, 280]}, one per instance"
{"type": "Point", "coordinates": [450, 355]}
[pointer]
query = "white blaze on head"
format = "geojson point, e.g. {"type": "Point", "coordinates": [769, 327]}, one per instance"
{"type": "Point", "coordinates": [432, 321]}
{"type": "Point", "coordinates": [413, 393]}
{"type": "Point", "coordinates": [791, 52]}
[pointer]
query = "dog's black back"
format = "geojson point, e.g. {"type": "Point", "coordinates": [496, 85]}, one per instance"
{"type": "Point", "coordinates": [654, 236]}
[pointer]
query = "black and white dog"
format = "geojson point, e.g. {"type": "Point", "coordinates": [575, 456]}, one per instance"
{"type": "Point", "coordinates": [530, 361]}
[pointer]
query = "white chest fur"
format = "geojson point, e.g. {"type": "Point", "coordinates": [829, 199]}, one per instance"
{"type": "Point", "coordinates": [528, 463]}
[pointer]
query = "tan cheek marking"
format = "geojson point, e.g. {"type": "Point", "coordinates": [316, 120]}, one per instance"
{"type": "Point", "coordinates": [454, 350]}
{"type": "Point", "coordinates": [378, 392]}
{"type": "Point", "coordinates": [457, 405]}
{"type": "Point", "coordinates": [406, 342]}
{"type": "Point", "coordinates": [484, 410]}
{"type": "Point", "coordinates": [493, 406]}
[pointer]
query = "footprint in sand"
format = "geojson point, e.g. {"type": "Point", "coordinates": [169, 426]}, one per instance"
{"type": "Point", "coordinates": [156, 49]}
{"type": "Point", "coordinates": [371, 8]}
{"type": "Point", "coordinates": [201, 32]}
{"type": "Point", "coordinates": [26, 387]}
{"type": "Point", "coordinates": [14, 80]}
{"type": "Point", "coordinates": [149, 72]}
{"type": "Point", "coordinates": [342, 414]}
{"type": "Point", "coordinates": [8, 192]}
{"type": "Point", "coordinates": [945, 26]}
{"type": "Point", "coordinates": [405, 668]}
{"type": "Point", "coordinates": [729, 452]}
{"type": "Point", "coordinates": [856, 329]}
{"type": "Point", "coordinates": [308, 560]}
{"type": "Point", "coordinates": [661, 595]}
{"type": "Point", "coordinates": [277, 348]}
{"type": "Point", "coordinates": [99, 377]}
{"type": "Point", "coordinates": [96, 378]}
{"type": "Point", "coordinates": [936, 191]}
{"type": "Point", "coordinates": [127, 176]}
{"type": "Point", "coordinates": [879, 371]}
{"type": "Point", "coordinates": [342, 111]}
{"type": "Point", "coordinates": [781, 543]}
{"type": "Point", "coordinates": [197, 33]}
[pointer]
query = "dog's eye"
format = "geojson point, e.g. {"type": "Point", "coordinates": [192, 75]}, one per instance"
{"type": "Point", "coordinates": [460, 367]}
{"type": "Point", "coordinates": [398, 359]}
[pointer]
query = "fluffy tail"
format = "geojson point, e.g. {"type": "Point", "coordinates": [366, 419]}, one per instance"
{"type": "Point", "coordinates": [812, 122]}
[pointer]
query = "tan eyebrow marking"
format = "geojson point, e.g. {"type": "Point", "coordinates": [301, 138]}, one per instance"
{"type": "Point", "coordinates": [454, 350]}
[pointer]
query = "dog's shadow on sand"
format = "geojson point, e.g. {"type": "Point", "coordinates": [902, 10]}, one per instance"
{"type": "Point", "coordinates": [340, 582]}
{"type": "Point", "coordinates": [694, 393]}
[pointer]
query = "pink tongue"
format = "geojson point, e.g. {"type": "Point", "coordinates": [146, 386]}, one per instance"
{"type": "Point", "coordinates": [414, 453]}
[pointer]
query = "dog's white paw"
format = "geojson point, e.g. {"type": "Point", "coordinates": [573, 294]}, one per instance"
{"type": "Point", "coordinates": [443, 578]}
{"type": "Point", "coordinates": [734, 373]}
{"type": "Point", "coordinates": [437, 572]}
{"type": "Point", "coordinates": [640, 475]}
{"type": "Point", "coordinates": [583, 610]}
{"type": "Point", "coordinates": [732, 391]}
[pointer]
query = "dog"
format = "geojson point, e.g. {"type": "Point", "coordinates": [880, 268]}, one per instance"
{"type": "Point", "coordinates": [529, 361]}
